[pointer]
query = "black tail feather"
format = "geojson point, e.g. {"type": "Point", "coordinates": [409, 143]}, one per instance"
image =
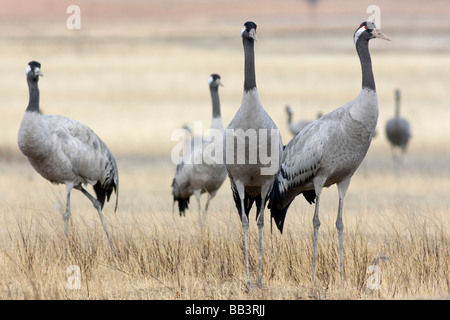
{"type": "Point", "coordinates": [277, 214]}
{"type": "Point", "coordinates": [248, 203]}
{"type": "Point", "coordinates": [183, 205]}
{"type": "Point", "coordinates": [276, 198]}
{"type": "Point", "coordinates": [102, 193]}
{"type": "Point", "coordinates": [310, 196]}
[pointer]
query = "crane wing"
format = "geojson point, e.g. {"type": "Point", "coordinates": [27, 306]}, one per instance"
{"type": "Point", "coordinates": [301, 161]}
{"type": "Point", "coordinates": [82, 152]}
{"type": "Point", "coordinates": [302, 157]}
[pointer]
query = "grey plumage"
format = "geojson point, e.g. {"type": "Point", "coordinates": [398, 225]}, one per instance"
{"type": "Point", "coordinates": [190, 140]}
{"type": "Point", "coordinates": [200, 170]}
{"type": "Point", "coordinates": [329, 150]}
{"type": "Point", "coordinates": [398, 130]}
{"type": "Point", "coordinates": [65, 151]}
{"type": "Point", "coordinates": [249, 181]}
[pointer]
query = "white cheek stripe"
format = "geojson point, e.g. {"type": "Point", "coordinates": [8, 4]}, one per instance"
{"type": "Point", "coordinates": [28, 69]}
{"type": "Point", "coordinates": [358, 33]}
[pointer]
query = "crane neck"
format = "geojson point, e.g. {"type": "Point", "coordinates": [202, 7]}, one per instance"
{"type": "Point", "coordinates": [215, 101]}
{"type": "Point", "coordinates": [33, 103]}
{"type": "Point", "coordinates": [289, 117]}
{"type": "Point", "coordinates": [397, 106]}
{"type": "Point", "coordinates": [362, 47]}
{"type": "Point", "coordinates": [249, 54]}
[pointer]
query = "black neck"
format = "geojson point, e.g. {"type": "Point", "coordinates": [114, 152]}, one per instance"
{"type": "Point", "coordinates": [397, 106]}
{"type": "Point", "coordinates": [249, 52]}
{"type": "Point", "coordinates": [215, 101]}
{"type": "Point", "coordinates": [362, 47]}
{"type": "Point", "coordinates": [33, 104]}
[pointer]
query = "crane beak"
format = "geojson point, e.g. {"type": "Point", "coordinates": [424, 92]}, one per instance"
{"type": "Point", "coordinates": [378, 34]}
{"type": "Point", "coordinates": [252, 34]}
{"type": "Point", "coordinates": [37, 71]}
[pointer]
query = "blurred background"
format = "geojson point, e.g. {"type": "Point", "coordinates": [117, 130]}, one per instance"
{"type": "Point", "coordinates": [136, 70]}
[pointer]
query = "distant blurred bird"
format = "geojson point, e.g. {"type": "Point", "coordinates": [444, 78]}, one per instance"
{"type": "Point", "coordinates": [190, 140]}
{"type": "Point", "coordinates": [296, 127]}
{"type": "Point", "coordinates": [313, 7]}
{"type": "Point", "coordinates": [398, 131]}
{"type": "Point", "coordinates": [65, 151]}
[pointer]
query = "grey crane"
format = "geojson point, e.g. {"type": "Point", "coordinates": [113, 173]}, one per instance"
{"type": "Point", "coordinates": [65, 151]}
{"type": "Point", "coordinates": [398, 131]}
{"type": "Point", "coordinates": [190, 138]}
{"type": "Point", "coordinates": [329, 150]}
{"type": "Point", "coordinates": [202, 170]}
{"type": "Point", "coordinates": [245, 142]}
{"type": "Point", "coordinates": [296, 127]}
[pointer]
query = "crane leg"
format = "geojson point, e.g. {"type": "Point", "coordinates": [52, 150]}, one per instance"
{"type": "Point", "coordinates": [208, 200]}
{"type": "Point", "coordinates": [197, 194]}
{"type": "Point", "coordinates": [340, 229]}
{"type": "Point", "coordinates": [245, 229]}
{"type": "Point", "coordinates": [66, 215]}
{"type": "Point", "coordinates": [241, 191]}
{"type": "Point", "coordinates": [260, 223]}
{"type": "Point", "coordinates": [342, 189]}
{"type": "Point", "coordinates": [260, 229]}
{"type": "Point", "coordinates": [394, 157]}
{"type": "Point", "coordinates": [98, 206]}
{"type": "Point", "coordinates": [316, 225]}
{"type": "Point", "coordinates": [318, 186]}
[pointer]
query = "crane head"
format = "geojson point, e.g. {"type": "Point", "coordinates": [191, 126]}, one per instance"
{"type": "Point", "coordinates": [249, 31]}
{"type": "Point", "coordinates": [214, 80]}
{"type": "Point", "coordinates": [367, 30]}
{"type": "Point", "coordinates": [34, 69]}
{"type": "Point", "coordinates": [289, 110]}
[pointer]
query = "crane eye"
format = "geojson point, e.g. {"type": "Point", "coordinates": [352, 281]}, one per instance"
{"type": "Point", "coordinates": [365, 27]}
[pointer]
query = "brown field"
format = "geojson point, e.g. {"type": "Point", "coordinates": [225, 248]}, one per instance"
{"type": "Point", "coordinates": [135, 73]}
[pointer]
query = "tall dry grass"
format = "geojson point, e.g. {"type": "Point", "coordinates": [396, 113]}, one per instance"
{"type": "Point", "coordinates": [163, 256]}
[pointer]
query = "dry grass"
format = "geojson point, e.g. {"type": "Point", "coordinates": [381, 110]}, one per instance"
{"type": "Point", "coordinates": [135, 92]}
{"type": "Point", "coordinates": [162, 256]}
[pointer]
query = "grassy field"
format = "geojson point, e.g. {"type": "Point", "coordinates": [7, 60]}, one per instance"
{"type": "Point", "coordinates": [134, 91]}
{"type": "Point", "coordinates": [388, 217]}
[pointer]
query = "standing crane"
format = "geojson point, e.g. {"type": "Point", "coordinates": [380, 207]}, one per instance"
{"type": "Point", "coordinates": [250, 182]}
{"type": "Point", "coordinates": [65, 151]}
{"type": "Point", "coordinates": [329, 150]}
{"type": "Point", "coordinates": [194, 177]}
{"type": "Point", "coordinates": [398, 131]}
